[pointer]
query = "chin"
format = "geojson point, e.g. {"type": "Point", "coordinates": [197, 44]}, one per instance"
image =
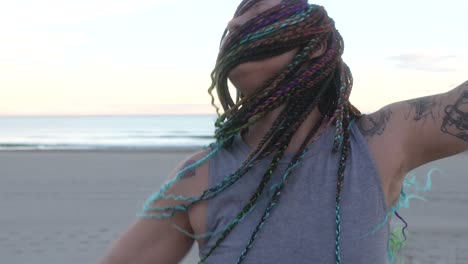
{"type": "Point", "coordinates": [247, 80]}
{"type": "Point", "coordinates": [250, 76]}
{"type": "Point", "coordinates": [244, 69]}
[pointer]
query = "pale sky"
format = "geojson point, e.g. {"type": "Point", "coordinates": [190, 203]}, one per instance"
{"type": "Point", "coordinates": [68, 57]}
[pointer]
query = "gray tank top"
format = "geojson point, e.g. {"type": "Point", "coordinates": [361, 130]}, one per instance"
{"type": "Point", "coordinates": [301, 228]}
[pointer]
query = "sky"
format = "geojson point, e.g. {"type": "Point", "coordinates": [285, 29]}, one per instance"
{"type": "Point", "coordinates": [118, 57]}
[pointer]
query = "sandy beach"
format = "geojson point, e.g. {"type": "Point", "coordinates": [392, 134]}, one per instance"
{"type": "Point", "coordinates": [68, 206]}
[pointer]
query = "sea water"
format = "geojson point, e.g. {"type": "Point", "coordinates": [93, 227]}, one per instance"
{"type": "Point", "coordinates": [105, 132]}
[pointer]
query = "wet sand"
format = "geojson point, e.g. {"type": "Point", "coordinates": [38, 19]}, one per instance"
{"type": "Point", "coordinates": [68, 206]}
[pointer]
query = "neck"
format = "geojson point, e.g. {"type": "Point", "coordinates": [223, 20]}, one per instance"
{"type": "Point", "coordinates": [257, 131]}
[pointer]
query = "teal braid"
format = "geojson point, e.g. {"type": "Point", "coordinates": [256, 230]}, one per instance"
{"type": "Point", "coordinates": [306, 84]}
{"type": "Point", "coordinates": [278, 187]}
{"type": "Point", "coordinates": [272, 135]}
{"type": "Point", "coordinates": [210, 193]}
{"type": "Point", "coordinates": [339, 187]}
{"type": "Point", "coordinates": [267, 176]}
{"type": "Point", "coordinates": [287, 136]}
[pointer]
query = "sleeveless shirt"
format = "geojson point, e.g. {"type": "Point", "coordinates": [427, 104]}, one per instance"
{"type": "Point", "coordinates": [301, 227]}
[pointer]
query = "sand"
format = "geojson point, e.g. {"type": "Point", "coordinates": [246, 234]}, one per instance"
{"type": "Point", "coordinates": [68, 206]}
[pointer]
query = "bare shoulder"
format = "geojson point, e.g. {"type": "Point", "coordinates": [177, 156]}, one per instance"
{"type": "Point", "coordinates": [154, 239]}
{"type": "Point", "coordinates": [189, 179]}
{"type": "Point", "coordinates": [374, 125]}
{"type": "Point", "coordinates": [195, 161]}
{"type": "Point", "coordinates": [193, 174]}
{"type": "Point", "coordinates": [383, 128]}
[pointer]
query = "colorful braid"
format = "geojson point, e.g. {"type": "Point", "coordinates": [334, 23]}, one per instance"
{"type": "Point", "coordinates": [307, 83]}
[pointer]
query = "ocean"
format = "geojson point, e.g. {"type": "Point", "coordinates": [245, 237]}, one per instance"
{"type": "Point", "coordinates": [105, 132]}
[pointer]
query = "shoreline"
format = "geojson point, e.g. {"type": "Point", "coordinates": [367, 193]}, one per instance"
{"type": "Point", "coordinates": [171, 149]}
{"type": "Point", "coordinates": [168, 149]}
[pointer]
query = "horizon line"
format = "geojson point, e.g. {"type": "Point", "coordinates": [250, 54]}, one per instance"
{"type": "Point", "coordinates": [89, 115]}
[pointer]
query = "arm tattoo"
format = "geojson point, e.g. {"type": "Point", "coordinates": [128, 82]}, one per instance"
{"type": "Point", "coordinates": [189, 173]}
{"type": "Point", "coordinates": [423, 108]}
{"type": "Point", "coordinates": [455, 122]}
{"type": "Point", "coordinates": [375, 124]}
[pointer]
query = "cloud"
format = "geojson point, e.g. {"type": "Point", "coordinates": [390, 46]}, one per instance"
{"type": "Point", "coordinates": [428, 61]}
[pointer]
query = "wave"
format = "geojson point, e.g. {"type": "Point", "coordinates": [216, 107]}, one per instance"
{"type": "Point", "coordinates": [111, 142]}
{"type": "Point", "coordinates": [97, 132]}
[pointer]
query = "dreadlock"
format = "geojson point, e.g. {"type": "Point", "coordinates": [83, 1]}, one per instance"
{"type": "Point", "coordinates": [307, 83]}
{"type": "Point", "coordinates": [304, 85]}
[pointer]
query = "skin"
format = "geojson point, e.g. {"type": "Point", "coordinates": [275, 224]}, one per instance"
{"type": "Point", "coordinates": [247, 77]}
{"type": "Point", "coordinates": [400, 136]}
{"type": "Point", "coordinates": [405, 135]}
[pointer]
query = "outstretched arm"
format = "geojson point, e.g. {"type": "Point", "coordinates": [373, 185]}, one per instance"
{"type": "Point", "coordinates": [435, 126]}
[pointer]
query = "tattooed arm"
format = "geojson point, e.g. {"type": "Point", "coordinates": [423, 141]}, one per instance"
{"type": "Point", "coordinates": [435, 126]}
{"type": "Point", "coordinates": [407, 134]}
{"type": "Point", "coordinates": [420, 130]}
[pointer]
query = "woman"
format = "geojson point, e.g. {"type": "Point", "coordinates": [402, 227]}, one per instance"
{"type": "Point", "coordinates": [297, 174]}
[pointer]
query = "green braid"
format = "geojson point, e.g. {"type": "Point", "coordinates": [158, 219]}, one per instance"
{"type": "Point", "coordinates": [307, 83]}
